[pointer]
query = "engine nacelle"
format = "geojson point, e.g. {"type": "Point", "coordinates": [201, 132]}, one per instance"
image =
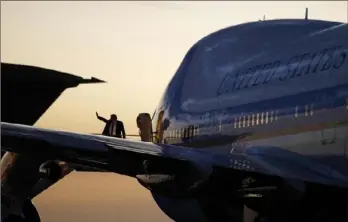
{"type": "Point", "coordinates": [205, 208]}
{"type": "Point", "coordinates": [177, 183]}
{"type": "Point", "coordinates": [181, 210]}
{"type": "Point", "coordinates": [193, 195]}
{"type": "Point", "coordinates": [50, 173]}
{"type": "Point", "coordinates": [54, 170]}
{"type": "Point", "coordinates": [23, 176]}
{"type": "Point", "coordinates": [29, 213]}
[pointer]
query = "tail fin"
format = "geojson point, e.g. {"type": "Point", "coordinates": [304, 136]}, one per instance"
{"type": "Point", "coordinates": [28, 91]}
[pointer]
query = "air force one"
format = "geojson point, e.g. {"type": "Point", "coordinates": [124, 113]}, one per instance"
{"type": "Point", "coordinates": [256, 117]}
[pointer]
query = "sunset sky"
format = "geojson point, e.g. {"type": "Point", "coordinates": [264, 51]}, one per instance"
{"type": "Point", "coordinates": [136, 47]}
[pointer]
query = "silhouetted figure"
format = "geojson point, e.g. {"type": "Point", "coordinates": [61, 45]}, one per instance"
{"type": "Point", "coordinates": [113, 127]}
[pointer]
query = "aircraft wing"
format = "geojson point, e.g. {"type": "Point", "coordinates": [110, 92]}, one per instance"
{"type": "Point", "coordinates": [126, 156]}
{"type": "Point", "coordinates": [44, 85]}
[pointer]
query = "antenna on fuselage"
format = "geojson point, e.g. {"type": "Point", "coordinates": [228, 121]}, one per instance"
{"type": "Point", "coordinates": [306, 15]}
{"type": "Point", "coordinates": [264, 18]}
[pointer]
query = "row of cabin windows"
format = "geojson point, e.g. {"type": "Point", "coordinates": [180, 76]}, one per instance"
{"type": "Point", "coordinates": [244, 121]}
{"type": "Point", "coordinates": [308, 110]}
{"type": "Point", "coordinates": [268, 117]}
{"type": "Point", "coordinates": [187, 132]}
{"type": "Point", "coordinates": [239, 122]}
{"type": "Point", "coordinates": [255, 119]}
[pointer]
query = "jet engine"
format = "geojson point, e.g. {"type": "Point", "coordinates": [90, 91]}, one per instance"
{"type": "Point", "coordinates": [226, 197]}
{"type": "Point", "coordinates": [192, 194]}
{"type": "Point", "coordinates": [27, 214]}
{"type": "Point", "coordinates": [24, 176]}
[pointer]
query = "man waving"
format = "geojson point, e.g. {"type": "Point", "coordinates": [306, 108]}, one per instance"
{"type": "Point", "coordinates": [113, 127]}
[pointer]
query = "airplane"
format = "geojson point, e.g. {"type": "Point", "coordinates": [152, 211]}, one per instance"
{"type": "Point", "coordinates": [255, 117]}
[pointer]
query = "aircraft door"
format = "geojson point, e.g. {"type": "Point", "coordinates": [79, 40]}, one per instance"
{"type": "Point", "coordinates": [145, 127]}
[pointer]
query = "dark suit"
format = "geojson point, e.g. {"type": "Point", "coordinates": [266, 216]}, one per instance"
{"type": "Point", "coordinates": [119, 128]}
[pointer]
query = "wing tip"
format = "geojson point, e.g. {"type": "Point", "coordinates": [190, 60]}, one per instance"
{"type": "Point", "coordinates": [92, 80]}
